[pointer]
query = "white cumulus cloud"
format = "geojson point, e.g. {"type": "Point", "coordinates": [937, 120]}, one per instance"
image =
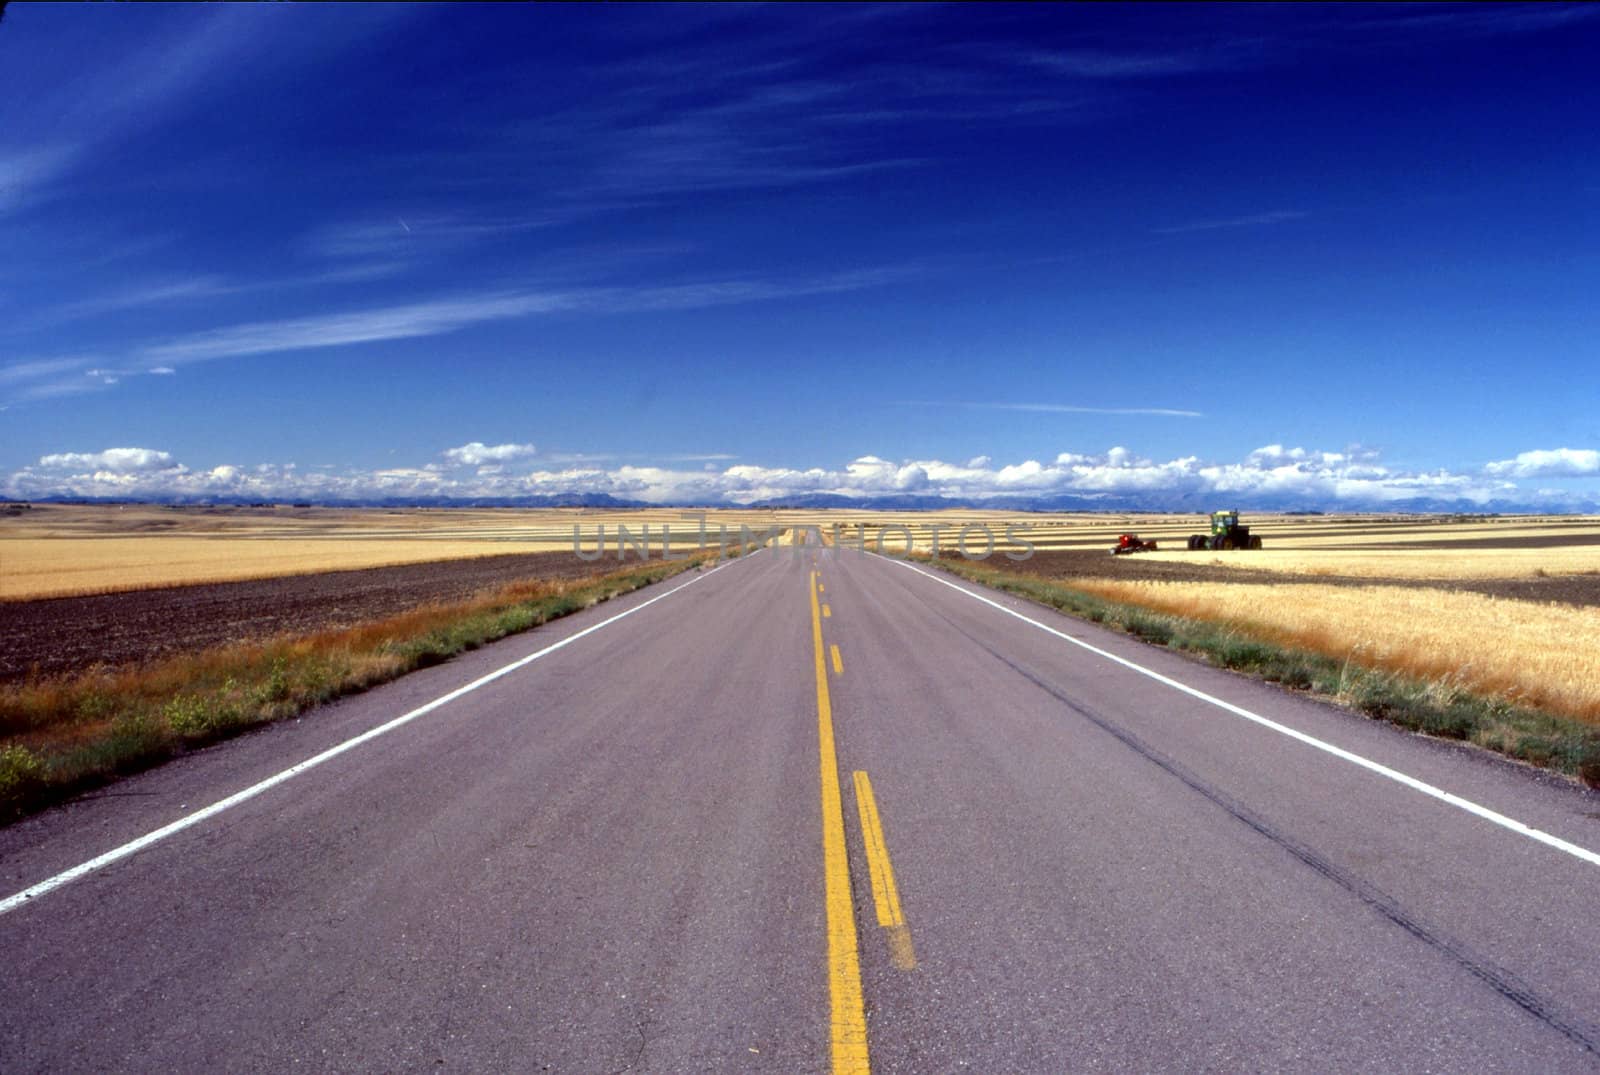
{"type": "Point", "coordinates": [1548, 463]}
{"type": "Point", "coordinates": [479, 454]}
{"type": "Point", "coordinates": [115, 460]}
{"type": "Point", "coordinates": [1277, 476]}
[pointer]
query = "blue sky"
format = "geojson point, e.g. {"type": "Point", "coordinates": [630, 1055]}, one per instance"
{"type": "Point", "coordinates": [1342, 255]}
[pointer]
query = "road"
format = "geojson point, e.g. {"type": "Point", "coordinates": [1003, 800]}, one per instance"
{"type": "Point", "coordinates": [813, 811]}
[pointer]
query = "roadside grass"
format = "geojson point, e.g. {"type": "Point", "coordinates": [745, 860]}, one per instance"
{"type": "Point", "coordinates": [1438, 705]}
{"type": "Point", "coordinates": [60, 736]}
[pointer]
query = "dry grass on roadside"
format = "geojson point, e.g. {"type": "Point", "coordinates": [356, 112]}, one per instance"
{"type": "Point", "coordinates": [1544, 656]}
{"type": "Point", "coordinates": [60, 735]}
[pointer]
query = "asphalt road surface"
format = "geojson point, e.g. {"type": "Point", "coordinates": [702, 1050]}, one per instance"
{"type": "Point", "coordinates": [812, 811]}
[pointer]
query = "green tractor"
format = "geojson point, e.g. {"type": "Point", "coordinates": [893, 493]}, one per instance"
{"type": "Point", "coordinates": [1226, 533]}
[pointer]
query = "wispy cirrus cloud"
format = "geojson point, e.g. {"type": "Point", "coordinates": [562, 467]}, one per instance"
{"type": "Point", "coordinates": [53, 376]}
{"type": "Point", "coordinates": [176, 291]}
{"type": "Point", "coordinates": [360, 326]}
{"type": "Point", "coordinates": [47, 378]}
{"type": "Point", "coordinates": [789, 115]}
{"type": "Point", "coordinates": [99, 108]}
{"type": "Point", "coordinates": [1105, 64]}
{"type": "Point", "coordinates": [154, 294]}
{"type": "Point", "coordinates": [1273, 40]}
{"type": "Point", "coordinates": [624, 159]}
{"type": "Point", "coordinates": [442, 316]}
{"type": "Point", "coordinates": [1051, 408]}
{"type": "Point", "coordinates": [119, 95]}
{"type": "Point", "coordinates": [405, 235]}
{"type": "Point", "coordinates": [1250, 220]}
{"type": "Point", "coordinates": [732, 292]}
{"type": "Point", "coordinates": [38, 369]}
{"type": "Point", "coordinates": [1484, 18]}
{"type": "Point", "coordinates": [24, 172]}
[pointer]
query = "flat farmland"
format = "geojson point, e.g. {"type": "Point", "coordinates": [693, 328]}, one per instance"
{"type": "Point", "coordinates": [1502, 604]}
{"type": "Point", "coordinates": [49, 636]}
{"type": "Point", "coordinates": [1423, 548]}
{"type": "Point", "coordinates": [61, 550]}
{"type": "Point", "coordinates": [113, 586]}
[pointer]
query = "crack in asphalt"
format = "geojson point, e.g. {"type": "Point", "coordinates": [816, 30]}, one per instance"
{"type": "Point", "coordinates": [638, 1054]}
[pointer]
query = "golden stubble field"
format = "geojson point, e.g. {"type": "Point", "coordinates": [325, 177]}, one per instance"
{"type": "Point", "coordinates": [52, 550]}
{"type": "Point", "coordinates": [1545, 655]}
{"type": "Point", "coordinates": [61, 550]}
{"type": "Point", "coordinates": [1305, 587]}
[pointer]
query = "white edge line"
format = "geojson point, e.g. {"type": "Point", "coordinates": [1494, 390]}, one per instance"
{"type": "Point", "coordinates": [27, 895]}
{"type": "Point", "coordinates": [1398, 777]}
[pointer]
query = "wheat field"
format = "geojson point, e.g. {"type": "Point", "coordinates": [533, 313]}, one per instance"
{"type": "Point", "coordinates": [52, 551]}
{"type": "Point", "coordinates": [1546, 656]}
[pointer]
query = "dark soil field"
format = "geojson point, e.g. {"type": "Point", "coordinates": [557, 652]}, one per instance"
{"type": "Point", "coordinates": [52, 636]}
{"type": "Point", "coordinates": [1582, 591]}
{"type": "Point", "coordinates": [57, 635]}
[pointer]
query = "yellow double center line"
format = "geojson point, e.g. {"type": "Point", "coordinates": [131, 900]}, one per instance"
{"type": "Point", "coordinates": [885, 892]}
{"type": "Point", "coordinates": [848, 1014]}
